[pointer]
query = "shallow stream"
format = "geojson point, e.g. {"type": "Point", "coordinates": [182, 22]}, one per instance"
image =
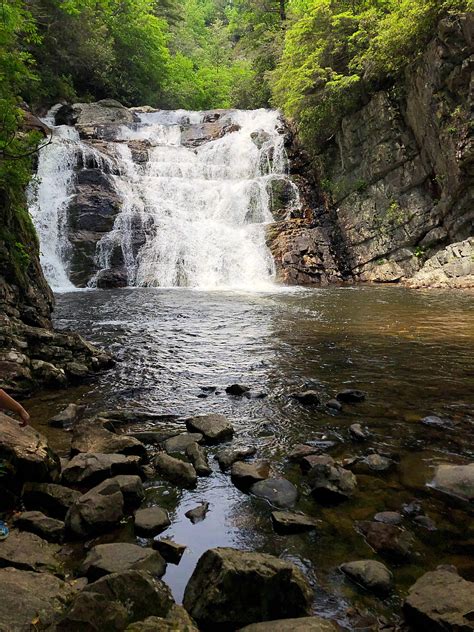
{"type": "Point", "coordinates": [410, 351]}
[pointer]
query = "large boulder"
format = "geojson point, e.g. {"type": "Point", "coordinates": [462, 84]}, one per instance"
{"type": "Point", "coordinates": [177, 620]}
{"type": "Point", "coordinates": [54, 500]}
{"type": "Point", "coordinates": [244, 475]}
{"type": "Point", "coordinates": [370, 574]}
{"type": "Point", "coordinates": [231, 588]}
{"type": "Point", "coordinates": [27, 452]}
{"type": "Point", "coordinates": [175, 470]}
{"type": "Point", "coordinates": [151, 521]}
{"type": "Point", "coordinates": [36, 522]}
{"type": "Point", "coordinates": [91, 437]}
{"type": "Point", "coordinates": [99, 510]}
{"type": "Point", "coordinates": [105, 559]}
{"type": "Point", "coordinates": [215, 428]}
{"type": "Point", "coordinates": [228, 456]}
{"type": "Point", "coordinates": [277, 491]}
{"type": "Point", "coordinates": [198, 458]}
{"type": "Point", "coordinates": [180, 442]}
{"type": "Point", "coordinates": [91, 469]}
{"type": "Point", "coordinates": [28, 596]}
{"type": "Point", "coordinates": [27, 551]}
{"type": "Point", "coordinates": [456, 481]}
{"type": "Point", "coordinates": [440, 601]}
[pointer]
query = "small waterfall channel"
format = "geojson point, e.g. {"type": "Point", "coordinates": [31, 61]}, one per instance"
{"type": "Point", "coordinates": [193, 194]}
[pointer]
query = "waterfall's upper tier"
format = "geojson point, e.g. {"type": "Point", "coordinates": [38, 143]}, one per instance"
{"type": "Point", "coordinates": [160, 198]}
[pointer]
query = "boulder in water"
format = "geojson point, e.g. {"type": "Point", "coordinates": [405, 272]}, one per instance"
{"type": "Point", "coordinates": [331, 483]}
{"type": "Point", "coordinates": [91, 437]}
{"type": "Point", "coordinates": [180, 442]}
{"type": "Point", "coordinates": [228, 456]}
{"type": "Point", "coordinates": [285, 522]}
{"type": "Point", "coordinates": [151, 521]}
{"type": "Point", "coordinates": [350, 396]}
{"type": "Point", "coordinates": [175, 470]}
{"type": "Point", "coordinates": [198, 458]}
{"type": "Point", "coordinates": [215, 428]}
{"type": "Point", "coordinates": [456, 481]}
{"type": "Point", "coordinates": [370, 574]}
{"type": "Point", "coordinates": [237, 390]}
{"type": "Point", "coordinates": [105, 559]}
{"type": "Point", "coordinates": [244, 475]}
{"type": "Point", "coordinates": [277, 491]}
{"type": "Point", "coordinates": [198, 513]}
{"type": "Point", "coordinates": [307, 398]}
{"type": "Point", "coordinates": [170, 551]}
{"type": "Point", "coordinates": [388, 540]}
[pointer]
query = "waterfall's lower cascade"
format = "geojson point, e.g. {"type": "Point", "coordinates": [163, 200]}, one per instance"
{"type": "Point", "coordinates": [166, 199]}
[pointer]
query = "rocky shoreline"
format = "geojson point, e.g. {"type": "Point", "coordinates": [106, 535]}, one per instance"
{"type": "Point", "coordinates": [65, 563]}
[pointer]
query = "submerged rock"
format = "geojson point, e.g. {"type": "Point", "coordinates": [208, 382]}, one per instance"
{"type": "Point", "coordinates": [388, 540]}
{"type": "Point", "coordinates": [151, 521]}
{"type": "Point", "coordinates": [388, 517]}
{"type": "Point", "coordinates": [285, 522]}
{"type": "Point", "coordinates": [307, 398]}
{"type": "Point", "coordinates": [175, 470]}
{"type": "Point", "coordinates": [331, 483]}
{"type": "Point", "coordinates": [358, 433]}
{"type": "Point", "coordinates": [350, 396]}
{"type": "Point", "coordinates": [215, 428]}
{"type": "Point", "coordinates": [105, 559]}
{"type": "Point", "coordinates": [228, 456]}
{"type": "Point", "coordinates": [455, 480]}
{"type": "Point", "coordinates": [278, 491]}
{"type": "Point", "coordinates": [440, 601]}
{"type": "Point", "coordinates": [300, 451]}
{"type": "Point", "coordinates": [371, 574]}
{"type": "Point", "coordinates": [231, 588]}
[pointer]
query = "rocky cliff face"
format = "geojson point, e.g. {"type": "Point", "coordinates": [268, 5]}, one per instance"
{"type": "Point", "coordinates": [399, 172]}
{"type": "Point", "coordinates": [32, 353]}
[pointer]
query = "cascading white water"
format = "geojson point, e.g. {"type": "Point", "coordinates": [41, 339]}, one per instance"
{"type": "Point", "coordinates": [203, 209]}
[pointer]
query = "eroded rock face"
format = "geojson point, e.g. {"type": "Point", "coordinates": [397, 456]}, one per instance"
{"type": "Point", "coordinates": [231, 588]}
{"type": "Point", "coordinates": [452, 267]}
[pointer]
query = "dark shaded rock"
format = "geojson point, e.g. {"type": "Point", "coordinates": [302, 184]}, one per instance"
{"type": "Point", "coordinates": [309, 461]}
{"type": "Point", "coordinates": [54, 500]}
{"type": "Point", "coordinates": [132, 490]}
{"type": "Point", "coordinates": [170, 551]}
{"type": "Point", "coordinates": [440, 601]}
{"type": "Point", "coordinates": [388, 517]}
{"type": "Point", "coordinates": [351, 396]}
{"type": "Point", "coordinates": [175, 470]}
{"type": "Point", "coordinates": [456, 481]}
{"type": "Point", "coordinates": [244, 475]}
{"type": "Point", "coordinates": [94, 613]}
{"type": "Point", "coordinates": [104, 559]}
{"type": "Point", "coordinates": [29, 596]}
{"type": "Point", "coordinates": [90, 437]}
{"type": "Point", "coordinates": [91, 468]}
{"type": "Point", "coordinates": [198, 458]}
{"type": "Point", "coordinates": [152, 437]}
{"type": "Point", "coordinates": [285, 522]}
{"type": "Point", "coordinates": [302, 450]}
{"type": "Point", "coordinates": [373, 463]}
{"type": "Point", "coordinates": [27, 452]}
{"type": "Point", "coordinates": [388, 540]}
{"type": "Point", "coordinates": [237, 390]}
{"type": "Point", "coordinates": [425, 522]}
{"type": "Point", "coordinates": [177, 620]}
{"type": "Point", "coordinates": [231, 588]}
{"type": "Point", "coordinates": [198, 513]}
{"type": "Point", "coordinates": [228, 456]}
{"type": "Point", "coordinates": [100, 510]}
{"type": "Point", "coordinates": [334, 404]}
{"type": "Point", "coordinates": [277, 491]}
{"type": "Point", "coordinates": [370, 574]}
{"type": "Point", "coordinates": [27, 551]}
{"type": "Point", "coordinates": [412, 509]}
{"type": "Point", "coordinates": [307, 398]}
{"type": "Point", "coordinates": [36, 522]}
{"type": "Point", "coordinates": [151, 521]}
{"type": "Point", "coordinates": [215, 428]}
{"type": "Point", "coordinates": [302, 624]}
{"type": "Point", "coordinates": [66, 417]}
{"type": "Point", "coordinates": [331, 483]}
{"type": "Point", "coordinates": [180, 442]}
{"type": "Point", "coordinates": [111, 278]}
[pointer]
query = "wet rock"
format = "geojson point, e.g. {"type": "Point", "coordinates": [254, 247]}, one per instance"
{"type": "Point", "coordinates": [373, 463]}
{"type": "Point", "coordinates": [370, 574]}
{"type": "Point", "coordinates": [104, 559]}
{"type": "Point", "coordinates": [358, 433]}
{"type": "Point", "coordinates": [231, 588]}
{"type": "Point", "coordinates": [152, 437]}
{"type": "Point", "coordinates": [66, 417]}
{"type": "Point", "coordinates": [102, 112]}
{"type": "Point", "coordinates": [237, 390]}
{"type": "Point", "coordinates": [260, 137]}
{"type": "Point", "coordinates": [132, 490]}
{"type": "Point", "coordinates": [198, 513]}
{"type": "Point", "coordinates": [331, 483]}
{"type": "Point", "coordinates": [302, 624]}
{"type": "Point", "coordinates": [29, 596]}
{"type": "Point", "coordinates": [228, 456]}
{"type": "Point", "coordinates": [170, 551]}
{"type": "Point", "coordinates": [388, 517]}
{"type": "Point", "coordinates": [27, 551]}
{"type": "Point", "coordinates": [450, 267]}
{"type": "Point", "coordinates": [116, 600]}
{"type": "Point", "coordinates": [54, 500]}
{"type": "Point", "coordinates": [307, 398]}
{"type": "Point", "coordinates": [412, 509]}
{"type": "Point", "coordinates": [455, 480]}
{"type": "Point", "coordinates": [334, 404]}
{"type": "Point", "coordinates": [177, 620]}
{"type": "Point", "coordinates": [350, 396]}
{"type": "Point", "coordinates": [300, 451]}
{"type": "Point", "coordinates": [36, 522]}
{"type": "Point", "coordinates": [286, 522]}
{"type": "Point", "coordinates": [180, 442]}
{"type": "Point", "coordinates": [309, 461]}
{"type": "Point", "coordinates": [91, 469]}
{"type": "Point", "coordinates": [277, 491]}
{"type": "Point", "coordinates": [151, 521]}
{"type": "Point", "coordinates": [27, 452]}
{"type": "Point", "coordinates": [89, 437]}
{"type": "Point", "coordinates": [436, 422]}
{"type": "Point", "coordinates": [244, 475]}
{"type": "Point", "coordinates": [215, 428]}
{"type": "Point", "coordinates": [198, 458]}
{"type": "Point", "coordinates": [388, 540]}
{"type": "Point", "coordinates": [175, 470]}
{"type": "Point", "coordinates": [425, 522]}
{"type": "Point", "coordinates": [100, 510]}
{"type": "Point", "coordinates": [440, 601]}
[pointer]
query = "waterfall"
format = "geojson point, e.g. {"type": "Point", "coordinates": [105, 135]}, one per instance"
{"type": "Point", "coordinates": [199, 205]}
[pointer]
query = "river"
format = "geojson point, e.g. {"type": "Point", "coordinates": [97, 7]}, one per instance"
{"type": "Point", "coordinates": [410, 351]}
